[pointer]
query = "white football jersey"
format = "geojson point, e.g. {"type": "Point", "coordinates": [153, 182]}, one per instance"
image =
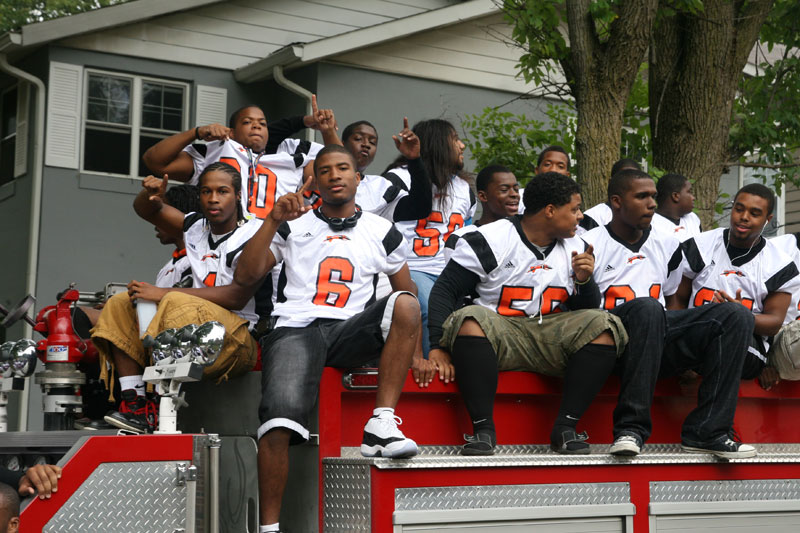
{"type": "Point", "coordinates": [213, 258]}
{"type": "Point", "coordinates": [624, 271]}
{"type": "Point", "coordinates": [790, 244]}
{"type": "Point", "coordinates": [426, 237]}
{"type": "Point", "coordinates": [515, 278]}
{"type": "Point", "coordinates": [376, 194]}
{"type": "Point", "coordinates": [177, 269]}
{"type": "Point", "coordinates": [688, 226]}
{"type": "Point", "coordinates": [332, 274]}
{"type": "Point", "coordinates": [265, 177]}
{"type": "Point", "coordinates": [599, 215]}
{"type": "Point", "coordinates": [450, 245]}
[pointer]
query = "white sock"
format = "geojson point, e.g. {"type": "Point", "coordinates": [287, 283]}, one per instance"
{"type": "Point", "coordinates": [269, 528]}
{"type": "Point", "coordinates": [132, 382]}
{"type": "Point", "coordinates": [378, 411]}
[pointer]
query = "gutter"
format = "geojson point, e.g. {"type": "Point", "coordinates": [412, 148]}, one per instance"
{"type": "Point", "coordinates": [36, 200]}
{"type": "Point", "coordinates": [302, 92]}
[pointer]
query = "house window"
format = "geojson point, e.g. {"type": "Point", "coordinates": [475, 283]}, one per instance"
{"type": "Point", "coordinates": [126, 115]}
{"type": "Point", "coordinates": [8, 133]}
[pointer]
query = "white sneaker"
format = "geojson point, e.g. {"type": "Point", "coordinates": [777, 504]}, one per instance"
{"type": "Point", "coordinates": [382, 438]}
{"type": "Point", "coordinates": [626, 445]}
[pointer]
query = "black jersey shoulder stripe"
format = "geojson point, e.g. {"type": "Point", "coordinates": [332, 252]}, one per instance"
{"type": "Point", "coordinates": [675, 260]}
{"type": "Point", "coordinates": [692, 255]}
{"type": "Point", "coordinates": [472, 198]}
{"type": "Point", "coordinates": [392, 240]}
{"type": "Point", "coordinates": [451, 241]}
{"type": "Point", "coordinates": [797, 239]}
{"type": "Point", "coordinates": [391, 193]}
{"type": "Point", "coordinates": [201, 149]}
{"type": "Point", "coordinates": [190, 219]}
{"type": "Point", "coordinates": [482, 250]}
{"type": "Point", "coordinates": [186, 273]}
{"type": "Point", "coordinates": [395, 179]}
{"type": "Point", "coordinates": [281, 297]}
{"type": "Point", "coordinates": [284, 230]}
{"type": "Point", "coordinates": [230, 256]}
{"type": "Point", "coordinates": [588, 222]}
{"type": "Point", "coordinates": [303, 147]}
{"type": "Point", "coordinates": [781, 277]}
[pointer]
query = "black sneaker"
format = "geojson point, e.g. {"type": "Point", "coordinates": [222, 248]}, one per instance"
{"type": "Point", "coordinates": [564, 440]}
{"type": "Point", "coordinates": [136, 413]}
{"type": "Point", "coordinates": [726, 449]}
{"type": "Point", "coordinates": [626, 445]}
{"type": "Point", "coordinates": [482, 443]}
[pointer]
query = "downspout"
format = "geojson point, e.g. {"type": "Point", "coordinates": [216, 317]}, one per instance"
{"type": "Point", "coordinates": [36, 205]}
{"type": "Point", "coordinates": [277, 73]}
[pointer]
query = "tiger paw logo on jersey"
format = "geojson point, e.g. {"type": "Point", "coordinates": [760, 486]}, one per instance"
{"type": "Point", "coordinates": [680, 228]}
{"type": "Point", "coordinates": [633, 258]}
{"type": "Point", "coordinates": [543, 266]}
{"type": "Point", "coordinates": [331, 238]}
{"type": "Point", "coordinates": [212, 255]}
{"type": "Point", "coordinates": [727, 273]}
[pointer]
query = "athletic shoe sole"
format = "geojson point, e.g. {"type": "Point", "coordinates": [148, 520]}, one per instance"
{"type": "Point", "coordinates": [476, 452]}
{"type": "Point", "coordinates": [395, 450]}
{"type": "Point", "coordinates": [739, 454]}
{"type": "Point", "coordinates": [624, 449]}
{"type": "Point", "coordinates": [122, 423]}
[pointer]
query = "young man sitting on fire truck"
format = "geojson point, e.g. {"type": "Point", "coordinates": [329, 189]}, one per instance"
{"type": "Point", "coordinates": [334, 321]}
{"type": "Point", "coordinates": [214, 240]}
{"type": "Point", "coordinates": [522, 267]}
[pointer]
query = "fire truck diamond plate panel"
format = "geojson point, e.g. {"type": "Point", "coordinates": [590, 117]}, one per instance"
{"type": "Point", "coordinates": [489, 497]}
{"type": "Point", "coordinates": [124, 498]}
{"type": "Point", "coordinates": [347, 499]}
{"type": "Point", "coordinates": [724, 491]}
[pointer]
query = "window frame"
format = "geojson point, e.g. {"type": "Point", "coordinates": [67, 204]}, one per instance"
{"type": "Point", "coordinates": [3, 93]}
{"type": "Point", "coordinates": [136, 108]}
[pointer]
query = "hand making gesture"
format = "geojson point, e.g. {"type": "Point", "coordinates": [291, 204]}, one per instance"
{"type": "Point", "coordinates": [155, 187]}
{"type": "Point", "coordinates": [291, 206]}
{"type": "Point", "coordinates": [407, 142]}
{"type": "Point", "coordinates": [583, 264]}
{"type": "Point", "coordinates": [214, 132]}
{"type": "Point", "coordinates": [319, 118]}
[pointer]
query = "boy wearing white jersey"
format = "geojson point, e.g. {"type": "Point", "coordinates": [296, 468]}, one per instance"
{"type": "Point", "coordinates": [522, 268]}
{"type": "Point", "coordinates": [600, 214]}
{"type": "Point", "coordinates": [636, 270]}
{"type": "Point", "coordinates": [738, 265]}
{"type": "Point", "coordinates": [333, 321]}
{"type": "Point", "coordinates": [674, 214]}
{"type": "Point", "coordinates": [214, 241]}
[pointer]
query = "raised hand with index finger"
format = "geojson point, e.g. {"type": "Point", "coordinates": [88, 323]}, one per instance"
{"type": "Point", "coordinates": [291, 206]}
{"type": "Point", "coordinates": [583, 264]}
{"type": "Point", "coordinates": [155, 187]}
{"type": "Point", "coordinates": [407, 142]}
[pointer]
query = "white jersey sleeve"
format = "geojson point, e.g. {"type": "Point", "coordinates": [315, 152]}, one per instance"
{"type": "Point", "coordinates": [688, 226]}
{"type": "Point", "coordinates": [176, 272]}
{"type": "Point", "coordinates": [790, 244]}
{"type": "Point", "coordinates": [378, 195]}
{"type": "Point", "coordinates": [624, 271]}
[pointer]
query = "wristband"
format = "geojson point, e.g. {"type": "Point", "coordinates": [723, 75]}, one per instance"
{"type": "Point", "coordinates": [587, 280]}
{"type": "Point", "coordinates": [197, 133]}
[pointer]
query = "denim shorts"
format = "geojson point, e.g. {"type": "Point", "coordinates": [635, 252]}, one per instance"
{"type": "Point", "coordinates": [292, 360]}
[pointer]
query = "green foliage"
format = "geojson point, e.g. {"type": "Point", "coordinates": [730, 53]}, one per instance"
{"type": "Point", "coordinates": [16, 13]}
{"type": "Point", "coordinates": [536, 29]}
{"type": "Point", "coordinates": [502, 137]}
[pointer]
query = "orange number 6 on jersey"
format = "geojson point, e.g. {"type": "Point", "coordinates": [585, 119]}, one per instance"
{"type": "Point", "coordinates": [333, 292]}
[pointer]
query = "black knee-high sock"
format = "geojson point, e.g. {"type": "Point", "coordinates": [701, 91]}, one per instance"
{"type": "Point", "coordinates": [587, 371]}
{"type": "Point", "coordinates": [476, 370]}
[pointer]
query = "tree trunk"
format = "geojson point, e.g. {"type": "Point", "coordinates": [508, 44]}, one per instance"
{"type": "Point", "coordinates": [600, 76]}
{"type": "Point", "coordinates": [696, 63]}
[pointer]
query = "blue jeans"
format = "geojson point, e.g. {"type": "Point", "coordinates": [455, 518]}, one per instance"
{"type": "Point", "coordinates": [424, 283]}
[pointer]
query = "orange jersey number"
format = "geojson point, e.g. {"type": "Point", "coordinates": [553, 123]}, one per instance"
{"type": "Point", "coordinates": [330, 291]}
{"type": "Point", "coordinates": [427, 244]}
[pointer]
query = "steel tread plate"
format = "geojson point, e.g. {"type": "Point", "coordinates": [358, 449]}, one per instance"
{"type": "Point", "coordinates": [40, 440]}
{"type": "Point", "coordinates": [724, 491]}
{"type": "Point", "coordinates": [121, 497]}
{"type": "Point", "coordinates": [509, 496]}
{"type": "Point", "coordinates": [347, 503]}
{"type": "Point", "coordinates": [541, 455]}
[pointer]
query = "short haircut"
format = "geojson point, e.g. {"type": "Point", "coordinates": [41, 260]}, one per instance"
{"type": "Point", "coordinates": [486, 175]}
{"type": "Point", "coordinates": [548, 188]}
{"type": "Point", "coordinates": [621, 181]}
{"type": "Point", "coordinates": [235, 115]}
{"type": "Point", "coordinates": [668, 184]}
{"type": "Point", "coordinates": [335, 148]}
{"type": "Point", "coordinates": [184, 198]}
{"type": "Point", "coordinates": [622, 164]}
{"type": "Point", "coordinates": [9, 499]}
{"type": "Point", "coordinates": [758, 189]}
{"type": "Point", "coordinates": [553, 148]}
{"type": "Point", "coordinates": [348, 131]}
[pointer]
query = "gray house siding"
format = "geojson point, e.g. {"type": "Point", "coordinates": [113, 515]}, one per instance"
{"type": "Point", "coordinates": [792, 209]}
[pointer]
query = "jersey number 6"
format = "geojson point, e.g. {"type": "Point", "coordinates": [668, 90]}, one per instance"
{"type": "Point", "coordinates": [330, 291]}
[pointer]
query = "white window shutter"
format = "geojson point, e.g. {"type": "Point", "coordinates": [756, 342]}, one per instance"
{"type": "Point", "coordinates": [211, 105]}
{"type": "Point", "coordinates": [65, 99]}
{"type": "Point", "coordinates": [21, 142]}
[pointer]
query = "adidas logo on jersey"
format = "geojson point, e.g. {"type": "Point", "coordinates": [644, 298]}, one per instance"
{"type": "Point", "coordinates": [543, 266]}
{"type": "Point", "coordinates": [509, 265]}
{"type": "Point", "coordinates": [608, 268]}
{"type": "Point", "coordinates": [307, 234]}
{"type": "Point", "coordinates": [727, 273]}
{"type": "Point", "coordinates": [331, 238]}
{"type": "Point", "coordinates": [633, 258]}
